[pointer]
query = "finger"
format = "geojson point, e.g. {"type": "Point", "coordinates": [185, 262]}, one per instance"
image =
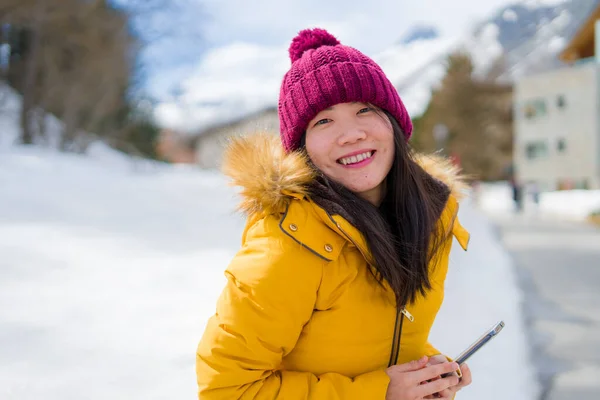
{"type": "Point", "coordinates": [437, 386]}
{"type": "Point", "coordinates": [445, 394]}
{"type": "Point", "coordinates": [433, 371]}
{"type": "Point", "coordinates": [437, 360]}
{"type": "Point", "coordinates": [411, 366]}
{"type": "Point", "coordinates": [467, 378]}
{"type": "Point", "coordinates": [439, 396]}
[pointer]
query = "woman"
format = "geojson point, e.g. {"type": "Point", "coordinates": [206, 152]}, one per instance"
{"type": "Point", "coordinates": [345, 251]}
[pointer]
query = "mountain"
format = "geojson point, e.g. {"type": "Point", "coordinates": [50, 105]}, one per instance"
{"type": "Point", "coordinates": [420, 32]}
{"type": "Point", "coordinates": [516, 40]}
{"type": "Point", "coordinates": [532, 33]}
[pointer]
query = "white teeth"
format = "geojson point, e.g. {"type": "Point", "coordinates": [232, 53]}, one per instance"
{"type": "Point", "coordinates": [357, 158]}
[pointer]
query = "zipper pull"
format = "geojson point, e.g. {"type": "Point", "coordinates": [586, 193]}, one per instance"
{"type": "Point", "coordinates": [407, 314]}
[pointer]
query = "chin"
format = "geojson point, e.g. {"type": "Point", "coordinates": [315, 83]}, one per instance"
{"type": "Point", "coordinates": [361, 188]}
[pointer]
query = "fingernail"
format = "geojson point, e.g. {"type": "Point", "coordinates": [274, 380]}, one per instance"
{"type": "Point", "coordinates": [455, 365]}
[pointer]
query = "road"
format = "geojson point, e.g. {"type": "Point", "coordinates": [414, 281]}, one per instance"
{"type": "Point", "coordinates": [558, 265]}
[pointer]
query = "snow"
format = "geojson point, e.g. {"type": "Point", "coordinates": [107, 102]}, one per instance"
{"type": "Point", "coordinates": [415, 79]}
{"type": "Point", "coordinates": [534, 4]}
{"type": "Point", "coordinates": [496, 198]}
{"type": "Point", "coordinates": [484, 48]}
{"type": "Point", "coordinates": [109, 275]}
{"type": "Point", "coordinates": [556, 44]}
{"type": "Point", "coordinates": [510, 15]}
{"type": "Point", "coordinates": [10, 107]}
{"type": "Point", "coordinates": [541, 51]}
{"type": "Point", "coordinates": [109, 272]}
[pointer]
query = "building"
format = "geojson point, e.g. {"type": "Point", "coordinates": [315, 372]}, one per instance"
{"type": "Point", "coordinates": [557, 118]}
{"type": "Point", "coordinates": [209, 145]}
{"type": "Point", "coordinates": [174, 148]}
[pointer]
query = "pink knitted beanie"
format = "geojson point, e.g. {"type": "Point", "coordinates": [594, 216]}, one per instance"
{"type": "Point", "coordinates": [324, 73]}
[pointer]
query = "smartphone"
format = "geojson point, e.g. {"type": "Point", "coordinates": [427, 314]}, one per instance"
{"type": "Point", "coordinates": [472, 349]}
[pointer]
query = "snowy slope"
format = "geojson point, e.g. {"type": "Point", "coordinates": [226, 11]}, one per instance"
{"type": "Point", "coordinates": [10, 106]}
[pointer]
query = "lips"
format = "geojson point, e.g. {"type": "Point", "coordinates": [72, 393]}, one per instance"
{"type": "Point", "coordinates": [356, 158]}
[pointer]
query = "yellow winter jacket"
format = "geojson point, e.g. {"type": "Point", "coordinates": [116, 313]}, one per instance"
{"type": "Point", "coordinates": [301, 316]}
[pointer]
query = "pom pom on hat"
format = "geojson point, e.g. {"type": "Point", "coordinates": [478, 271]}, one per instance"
{"type": "Point", "coordinates": [310, 39]}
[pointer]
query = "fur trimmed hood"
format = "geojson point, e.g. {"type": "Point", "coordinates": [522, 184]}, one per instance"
{"type": "Point", "coordinates": [269, 178]}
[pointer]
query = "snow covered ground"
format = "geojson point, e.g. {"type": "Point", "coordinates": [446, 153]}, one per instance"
{"type": "Point", "coordinates": [496, 199]}
{"type": "Point", "coordinates": [109, 272]}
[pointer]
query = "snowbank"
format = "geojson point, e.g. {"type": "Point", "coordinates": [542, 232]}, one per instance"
{"type": "Point", "coordinates": [567, 204]}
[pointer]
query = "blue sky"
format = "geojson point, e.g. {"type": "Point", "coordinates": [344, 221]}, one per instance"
{"type": "Point", "coordinates": [216, 47]}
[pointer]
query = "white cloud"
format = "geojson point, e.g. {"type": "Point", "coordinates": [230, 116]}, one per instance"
{"type": "Point", "coordinates": [229, 82]}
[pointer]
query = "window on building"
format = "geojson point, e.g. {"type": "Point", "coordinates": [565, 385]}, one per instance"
{"type": "Point", "coordinates": [561, 102]}
{"type": "Point", "coordinates": [534, 108]}
{"type": "Point", "coordinates": [561, 145]}
{"type": "Point", "coordinates": [536, 150]}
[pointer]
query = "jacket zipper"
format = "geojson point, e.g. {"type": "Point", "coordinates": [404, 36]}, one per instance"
{"type": "Point", "coordinates": [396, 340]}
{"type": "Point", "coordinates": [403, 312]}
{"type": "Point", "coordinates": [400, 315]}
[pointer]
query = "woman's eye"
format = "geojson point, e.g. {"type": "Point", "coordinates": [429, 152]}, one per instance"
{"type": "Point", "coordinates": [322, 121]}
{"type": "Point", "coordinates": [364, 110]}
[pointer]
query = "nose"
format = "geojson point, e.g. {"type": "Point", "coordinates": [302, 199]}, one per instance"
{"type": "Point", "coordinates": [350, 135]}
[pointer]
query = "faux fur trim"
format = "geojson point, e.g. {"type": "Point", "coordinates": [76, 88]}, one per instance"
{"type": "Point", "coordinates": [266, 174]}
{"type": "Point", "coordinates": [269, 178]}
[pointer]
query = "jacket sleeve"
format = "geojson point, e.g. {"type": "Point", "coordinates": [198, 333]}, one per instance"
{"type": "Point", "coordinates": [430, 350]}
{"type": "Point", "coordinates": [269, 296]}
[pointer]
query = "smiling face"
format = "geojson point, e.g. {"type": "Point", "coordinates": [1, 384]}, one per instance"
{"type": "Point", "coordinates": [353, 144]}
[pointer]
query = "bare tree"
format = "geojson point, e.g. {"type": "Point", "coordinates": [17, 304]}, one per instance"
{"type": "Point", "coordinates": [76, 63]}
{"type": "Point", "coordinates": [78, 60]}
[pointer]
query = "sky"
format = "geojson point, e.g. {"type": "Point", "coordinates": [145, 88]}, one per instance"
{"type": "Point", "coordinates": [235, 55]}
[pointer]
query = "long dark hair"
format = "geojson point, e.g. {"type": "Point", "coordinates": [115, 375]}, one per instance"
{"type": "Point", "coordinates": [403, 234]}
